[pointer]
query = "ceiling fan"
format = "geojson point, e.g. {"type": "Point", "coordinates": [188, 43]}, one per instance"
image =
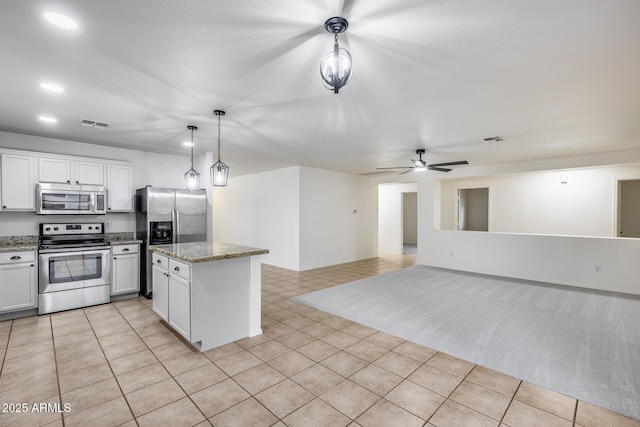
{"type": "Point", "coordinates": [421, 165]}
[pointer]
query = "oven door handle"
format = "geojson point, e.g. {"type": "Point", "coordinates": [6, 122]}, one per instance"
{"type": "Point", "coordinates": [74, 250]}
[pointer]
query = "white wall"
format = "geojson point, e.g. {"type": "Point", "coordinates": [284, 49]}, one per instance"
{"type": "Point", "coordinates": [568, 260]}
{"type": "Point", "coordinates": [261, 210]}
{"type": "Point", "coordinates": [159, 170]}
{"type": "Point", "coordinates": [390, 216]}
{"type": "Point", "coordinates": [338, 218]}
{"type": "Point", "coordinates": [538, 202]}
{"type": "Point", "coordinates": [304, 216]}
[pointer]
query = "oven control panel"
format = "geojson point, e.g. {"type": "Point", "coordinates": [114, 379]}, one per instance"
{"type": "Point", "coordinates": [48, 229]}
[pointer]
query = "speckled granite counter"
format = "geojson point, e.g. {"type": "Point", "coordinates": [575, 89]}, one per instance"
{"type": "Point", "coordinates": [18, 243]}
{"type": "Point", "coordinates": [118, 242]}
{"type": "Point", "coordinates": [124, 238]}
{"type": "Point", "coordinates": [206, 251]}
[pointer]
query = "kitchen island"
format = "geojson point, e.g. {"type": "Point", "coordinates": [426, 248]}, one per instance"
{"type": "Point", "coordinates": [209, 292]}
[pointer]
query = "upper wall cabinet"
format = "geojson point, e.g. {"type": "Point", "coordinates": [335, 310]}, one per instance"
{"type": "Point", "coordinates": [70, 171]}
{"type": "Point", "coordinates": [120, 188]}
{"type": "Point", "coordinates": [17, 185]}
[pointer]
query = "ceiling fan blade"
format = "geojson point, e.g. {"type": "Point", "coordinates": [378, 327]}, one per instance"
{"type": "Point", "coordinates": [398, 167]}
{"type": "Point", "coordinates": [402, 173]}
{"type": "Point", "coordinates": [434, 168]}
{"type": "Point", "coordinates": [461, 162]}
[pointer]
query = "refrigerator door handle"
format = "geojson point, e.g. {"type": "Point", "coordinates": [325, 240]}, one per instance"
{"type": "Point", "coordinates": [176, 225]}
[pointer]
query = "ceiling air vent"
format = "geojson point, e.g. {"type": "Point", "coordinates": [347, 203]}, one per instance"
{"type": "Point", "coordinates": [93, 124]}
{"type": "Point", "coordinates": [491, 139]}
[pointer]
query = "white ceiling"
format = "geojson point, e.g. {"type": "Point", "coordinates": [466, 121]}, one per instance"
{"type": "Point", "coordinates": [553, 78]}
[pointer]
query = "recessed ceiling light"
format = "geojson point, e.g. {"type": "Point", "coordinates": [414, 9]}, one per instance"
{"type": "Point", "coordinates": [48, 119]}
{"type": "Point", "coordinates": [187, 143]}
{"type": "Point", "coordinates": [51, 87]}
{"type": "Point", "coordinates": [60, 20]}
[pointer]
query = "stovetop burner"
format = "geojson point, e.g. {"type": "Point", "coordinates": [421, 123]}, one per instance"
{"type": "Point", "coordinates": [72, 235]}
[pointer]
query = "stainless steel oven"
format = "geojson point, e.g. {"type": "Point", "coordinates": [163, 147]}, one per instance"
{"type": "Point", "coordinates": [74, 266]}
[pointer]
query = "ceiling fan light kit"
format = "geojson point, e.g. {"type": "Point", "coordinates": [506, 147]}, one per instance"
{"type": "Point", "coordinates": [420, 165]}
{"type": "Point", "coordinates": [336, 66]}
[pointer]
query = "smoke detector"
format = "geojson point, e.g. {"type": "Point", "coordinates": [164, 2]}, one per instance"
{"type": "Point", "coordinates": [93, 124]}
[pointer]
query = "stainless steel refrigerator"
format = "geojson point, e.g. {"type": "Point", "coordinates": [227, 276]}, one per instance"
{"type": "Point", "coordinates": [167, 215]}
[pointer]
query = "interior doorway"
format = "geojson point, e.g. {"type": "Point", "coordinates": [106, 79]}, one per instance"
{"type": "Point", "coordinates": [629, 208]}
{"type": "Point", "coordinates": [410, 223]}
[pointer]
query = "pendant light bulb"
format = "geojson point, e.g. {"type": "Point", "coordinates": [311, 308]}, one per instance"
{"type": "Point", "coordinates": [192, 177]}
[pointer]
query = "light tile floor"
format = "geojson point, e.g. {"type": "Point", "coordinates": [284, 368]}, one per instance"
{"type": "Point", "coordinates": [118, 364]}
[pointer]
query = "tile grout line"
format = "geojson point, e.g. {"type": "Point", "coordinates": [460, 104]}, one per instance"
{"type": "Point", "coordinates": [163, 365]}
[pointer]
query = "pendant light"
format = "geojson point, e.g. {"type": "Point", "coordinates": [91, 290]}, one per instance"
{"type": "Point", "coordinates": [335, 68]}
{"type": "Point", "coordinates": [192, 177]}
{"type": "Point", "coordinates": [219, 171]}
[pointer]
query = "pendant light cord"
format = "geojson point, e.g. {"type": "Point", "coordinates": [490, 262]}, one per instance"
{"type": "Point", "coordinates": [191, 148]}
{"type": "Point", "coordinates": [218, 137]}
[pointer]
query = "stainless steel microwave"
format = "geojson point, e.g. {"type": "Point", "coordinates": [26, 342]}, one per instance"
{"type": "Point", "coordinates": [69, 199]}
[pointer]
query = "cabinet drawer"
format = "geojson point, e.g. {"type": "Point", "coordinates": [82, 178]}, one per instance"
{"type": "Point", "coordinates": [180, 269]}
{"type": "Point", "coordinates": [124, 249]}
{"type": "Point", "coordinates": [17, 257]}
{"type": "Point", "coordinates": [160, 261]}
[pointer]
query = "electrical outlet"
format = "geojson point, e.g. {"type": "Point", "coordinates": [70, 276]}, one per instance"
{"type": "Point", "coordinates": [598, 269]}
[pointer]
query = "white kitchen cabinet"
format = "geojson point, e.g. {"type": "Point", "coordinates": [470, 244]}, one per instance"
{"type": "Point", "coordinates": [51, 169]}
{"type": "Point", "coordinates": [180, 305]}
{"type": "Point", "coordinates": [18, 284]}
{"type": "Point", "coordinates": [120, 188]}
{"type": "Point", "coordinates": [17, 185]}
{"type": "Point", "coordinates": [125, 269]}
{"type": "Point", "coordinates": [88, 172]}
{"type": "Point", "coordinates": [172, 293]}
{"type": "Point", "coordinates": [160, 281]}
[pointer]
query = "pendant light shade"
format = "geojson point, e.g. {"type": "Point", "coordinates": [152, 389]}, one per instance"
{"type": "Point", "coordinates": [219, 171]}
{"type": "Point", "coordinates": [336, 66]}
{"type": "Point", "coordinates": [192, 177]}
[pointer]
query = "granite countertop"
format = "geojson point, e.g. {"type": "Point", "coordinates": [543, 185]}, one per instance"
{"type": "Point", "coordinates": [18, 243]}
{"type": "Point", "coordinates": [206, 251]}
{"type": "Point", "coordinates": [119, 242]}
{"type": "Point", "coordinates": [124, 238]}
{"type": "Point", "coordinates": [30, 243]}
{"type": "Point", "coordinates": [15, 248]}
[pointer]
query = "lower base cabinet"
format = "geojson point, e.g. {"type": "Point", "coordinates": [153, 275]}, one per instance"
{"type": "Point", "coordinates": [172, 293]}
{"type": "Point", "coordinates": [18, 281]}
{"type": "Point", "coordinates": [180, 305]}
{"type": "Point", "coordinates": [125, 269]}
{"type": "Point", "coordinates": [160, 280]}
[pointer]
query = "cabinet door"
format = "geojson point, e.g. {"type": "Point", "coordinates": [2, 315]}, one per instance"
{"type": "Point", "coordinates": [125, 274]}
{"type": "Point", "coordinates": [120, 188]}
{"type": "Point", "coordinates": [180, 305]}
{"type": "Point", "coordinates": [18, 287]}
{"type": "Point", "coordinates": [160, 281]}
{"type": "Point", "coordinates": [90, 173]}
{"type": "Point", "coordinates": [54, 170]}
{"type": "Point", "coordinates": [17, 182]}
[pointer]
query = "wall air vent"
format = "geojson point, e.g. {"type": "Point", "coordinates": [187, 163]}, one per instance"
{"type": "Point", "coordinates": [491, 139]}
{"type": "Point", "coordinates": [93, 124]}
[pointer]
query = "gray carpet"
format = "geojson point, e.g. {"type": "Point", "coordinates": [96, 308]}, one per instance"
{"type": "Point", "coordinates": [581, 343]}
